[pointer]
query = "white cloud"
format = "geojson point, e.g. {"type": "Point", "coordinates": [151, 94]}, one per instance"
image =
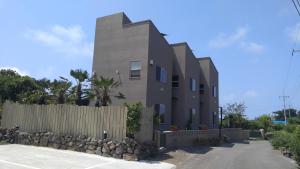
{"type": "Point", "coordinates": [236, 39]}
{"type": "Point", "coordinates": [252, 47]}
{"type": "Point", "coordinates": [67, 40]}
{"type": "Point", "coordinates": [293, 33]}
{"type": "Point", "coordinates": [223, 40]}
{"type": "Point", "coordinates": [240, 96]}
{"type": "Point", "coordinates": [20, 72]}
{"type": "Point", "coordinates": [250, 93]}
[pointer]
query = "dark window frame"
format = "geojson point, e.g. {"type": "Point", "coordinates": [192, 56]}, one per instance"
{"type": "Point", "coordinates": [201, 88]}
{"type": "Point", "coordinates": [159, 114]}
{"type": "Point", "coordinates": [161, 74]}
{"type": "Point", "coordinates": [175, 81]}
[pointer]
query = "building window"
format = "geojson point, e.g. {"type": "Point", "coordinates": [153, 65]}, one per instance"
{"type": "Point", "coordinates": [192, 114]}
{"type": "Point", "coordinates": [135, 70]}
{"type": "Point", "coordinates": [214, 91]}
{"type": "Point", "coordinates": [214, 114]}
{"type": "Point", "coordinates": [161, 74]}
{"type": "Point", "coordinates": [175, 81]}
{"type": "Point", "coordinates": [193, 84]}
{"type": "Point", "coordinates": [201, 89]}
{"type": "Point", "coordinates": [160, 112]}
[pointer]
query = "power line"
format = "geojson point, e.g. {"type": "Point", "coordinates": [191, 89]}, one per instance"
{"type": "Point", "coordinates": [298, 2]}
{"type": "Point", "coordinates": [293, 50]}
{"type": "Point", "coordinates": [296, 90]}
{"type": "Point", "coordinates": [287, 74]}
{"type": "Point", "coordinates": [296, 6]}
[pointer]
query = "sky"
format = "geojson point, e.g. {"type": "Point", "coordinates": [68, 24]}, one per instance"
{"type": "Point", "coordinates": [250, 41]}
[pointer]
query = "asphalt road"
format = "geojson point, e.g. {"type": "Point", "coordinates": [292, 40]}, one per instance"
{"type": "Point", "coordinates": [252, 155]}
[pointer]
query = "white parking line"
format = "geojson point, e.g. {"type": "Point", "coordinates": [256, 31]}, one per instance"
{"type": "Point", "coordinates": [99, 165]}
{"type": "Point", "coordinates": [17, 164]}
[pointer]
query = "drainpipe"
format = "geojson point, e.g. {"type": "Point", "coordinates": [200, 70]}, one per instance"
{"type": "Point", "coordinates": [220, 126]}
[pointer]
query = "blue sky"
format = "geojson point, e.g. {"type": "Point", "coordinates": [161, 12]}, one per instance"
{"type": "Point", "coordinates": [250, 41]}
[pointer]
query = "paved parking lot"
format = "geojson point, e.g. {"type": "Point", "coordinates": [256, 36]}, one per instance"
{"type": "Point", "coordinates": [15, 156]}
{"type": "Point", "coordinates": [244, 155]}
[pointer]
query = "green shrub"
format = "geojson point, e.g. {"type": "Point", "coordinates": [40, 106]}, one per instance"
{"type": "Point", "coordinates": [281, 139]}
{"type": "Point", "coordinates": [277, 127]}
{"type": "Point", "coordinates": [294, 120]}
{"type": "Point", "coordinates": [290, 128]}
{"type": "Point", "coordinates": [133, 117]}
{"type": "Point", "coordinates": [295, 144]}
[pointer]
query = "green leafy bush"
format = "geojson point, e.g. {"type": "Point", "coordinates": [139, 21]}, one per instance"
{"type": "Point", "coordinates": [290, 128]}
{"type": "Point", "coordinates": [133, 117]}
{"type": "Point", "coordinates": [295, 144]}
{"type": "Point", "coordinates": [294, 120]}
{"type": "Point", "coordinates": [277, 127]}
{"type": "Point", "coordinates": [288, 140]}
{"type": "Point", "coordinates": [281, 139]}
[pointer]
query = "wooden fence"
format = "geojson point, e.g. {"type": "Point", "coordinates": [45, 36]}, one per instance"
{"type": "Point", "coordinates": [67, 119]}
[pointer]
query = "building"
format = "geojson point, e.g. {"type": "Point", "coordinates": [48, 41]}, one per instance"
{"type": "Point", "coordinates": [185, 94]}
{"type": "Point", "coordinates": [152, 71]}
{"type": "Point", "coordinates": [209, 89]}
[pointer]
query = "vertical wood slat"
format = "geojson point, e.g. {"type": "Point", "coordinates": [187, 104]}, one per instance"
{"type": "Point", "coordinates": [81, 120]}
{"type": "Point", "coordinates": [100, 118]}
{"type": "Point", "coordinates": [67, 119]}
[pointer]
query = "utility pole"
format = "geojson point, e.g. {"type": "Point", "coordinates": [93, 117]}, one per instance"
{"type": "Point", "coordinates": [220, 125]}
{"type": "Point", "coordinates": [289, 110]}
{"type": "Point", "coordinates": [284, 98]}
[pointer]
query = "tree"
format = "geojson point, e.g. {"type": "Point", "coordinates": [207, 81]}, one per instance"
{"type": "Point", "coordinates": [133, 118]}
{"type": "Point", "coordinates": [15, 87]}
{"type": "Point", "coordinates": [235, 114]}
{"type": "Point", "coordinates": [38, 96]}
{"type": "Point", "coordinates": [102, 88]}
{"type": "Point", "coordinates": [265, 122]}
{"type": "Point", "coordinates": [279, 115]}
{"type": "Point", "coordinates": [80, 77]}
{"type": "Point", "coordinates": [60, 90]}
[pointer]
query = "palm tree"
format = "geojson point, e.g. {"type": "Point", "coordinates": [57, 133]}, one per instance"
{"type": "Point", "coordinates": [80, 76]}
{"type": "Point", "coordinates": [102, 89]}
{"type": "Point", "coordinates": [60, 90]}
{"type": "Point", "coordinates": [39, 95]}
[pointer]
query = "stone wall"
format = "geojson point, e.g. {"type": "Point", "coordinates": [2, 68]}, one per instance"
{"type": "Point", "coordinates": [128, 149]}
{"type": "Point", "coordinates": [189, 137]}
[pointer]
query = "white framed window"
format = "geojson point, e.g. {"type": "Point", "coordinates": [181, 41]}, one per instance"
{"type": "Point", "coordinates": [214, 91]}
{"type": "Point", "coordinates": [193, 84]}
{"type": "Point", "coordinates": [135, 70]}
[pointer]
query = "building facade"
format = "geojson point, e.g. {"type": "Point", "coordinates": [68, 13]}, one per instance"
{"type": "Point", "coordinates": [209, 93]}
{"type": "Point", "coordinates": [150, 70]}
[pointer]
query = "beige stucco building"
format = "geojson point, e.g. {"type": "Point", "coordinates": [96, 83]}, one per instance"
{"type": "Point", "coordinates": [156, 73]}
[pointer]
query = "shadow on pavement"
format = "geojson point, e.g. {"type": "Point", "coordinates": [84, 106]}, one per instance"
{"type": "Point", "coordinates": [171, 152]}
{"type": "Point", "coordinates": [232, 143]}
{"type": "Point", "coordinates": [168, 153]}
